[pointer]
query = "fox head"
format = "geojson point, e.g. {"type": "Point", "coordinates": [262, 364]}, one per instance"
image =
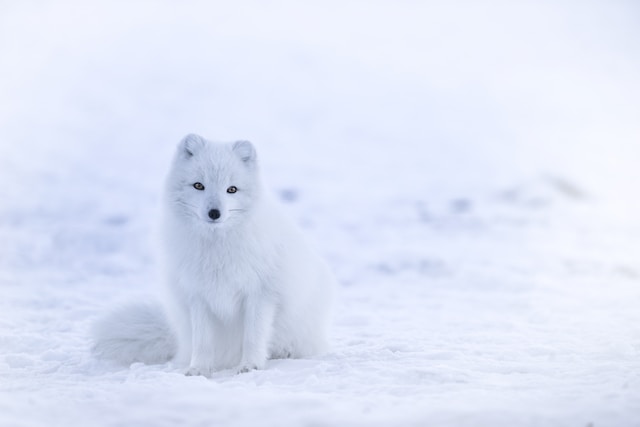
{"type": "Point", "coordinates": [215, 184]}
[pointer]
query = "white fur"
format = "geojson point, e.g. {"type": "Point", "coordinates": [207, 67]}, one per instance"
{"type": "Point", "coordinates": [134, 333]}
{"type": "Point", "coordinates": [244, 287]}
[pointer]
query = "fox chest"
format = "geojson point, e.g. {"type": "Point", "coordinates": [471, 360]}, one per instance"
{"type": "Point", "coordinates": [225, 280]}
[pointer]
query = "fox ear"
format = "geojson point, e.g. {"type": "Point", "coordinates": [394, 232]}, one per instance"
{"type": "Point", "coordinates": [190, 144]}
{"type": "Point", "coordinates": [245, 150]}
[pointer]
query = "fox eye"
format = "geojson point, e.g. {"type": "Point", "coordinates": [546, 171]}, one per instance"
{"type": "Point", "coordinates": [198, 186]}
{"type": "Point", "coordinates": [232, 189]}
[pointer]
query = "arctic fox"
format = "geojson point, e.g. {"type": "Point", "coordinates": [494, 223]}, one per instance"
{"type": "Point", "coordinates": [242, 285]}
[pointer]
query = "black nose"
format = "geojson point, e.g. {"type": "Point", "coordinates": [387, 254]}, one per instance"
{"type": "Point", "coordinates": [214, 214]}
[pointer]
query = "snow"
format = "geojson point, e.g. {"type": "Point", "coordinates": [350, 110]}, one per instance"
{"type": "Point", "coordinates": [469, 170]}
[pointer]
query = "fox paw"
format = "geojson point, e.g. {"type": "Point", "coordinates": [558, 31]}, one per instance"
{"type": "Point", "coordinates": [195, 371]}
{"type": "Point", "coordinates": [246, 367]}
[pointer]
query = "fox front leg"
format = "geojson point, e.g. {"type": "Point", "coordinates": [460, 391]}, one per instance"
{"type": "Point", "coordinates": [202, 348]}
{"type": "Point", "coordinates": [258, 329]}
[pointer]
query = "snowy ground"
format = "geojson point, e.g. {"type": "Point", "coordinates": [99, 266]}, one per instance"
{"type": "Point", "coordinates": [469, 171]}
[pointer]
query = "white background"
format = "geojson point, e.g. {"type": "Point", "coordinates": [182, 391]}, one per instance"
{"type": "Point", "coordinates": [468, 169]}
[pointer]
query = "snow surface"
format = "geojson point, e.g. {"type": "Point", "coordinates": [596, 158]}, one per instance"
{"type": "Point", "coordinates": [469, 169]}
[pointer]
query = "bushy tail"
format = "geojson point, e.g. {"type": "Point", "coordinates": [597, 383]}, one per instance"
{"type": "Point", "coordinates": [134, 333]}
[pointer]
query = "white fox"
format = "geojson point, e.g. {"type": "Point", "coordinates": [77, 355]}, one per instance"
{"type": "Point", "coordinates": [243, 285]}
